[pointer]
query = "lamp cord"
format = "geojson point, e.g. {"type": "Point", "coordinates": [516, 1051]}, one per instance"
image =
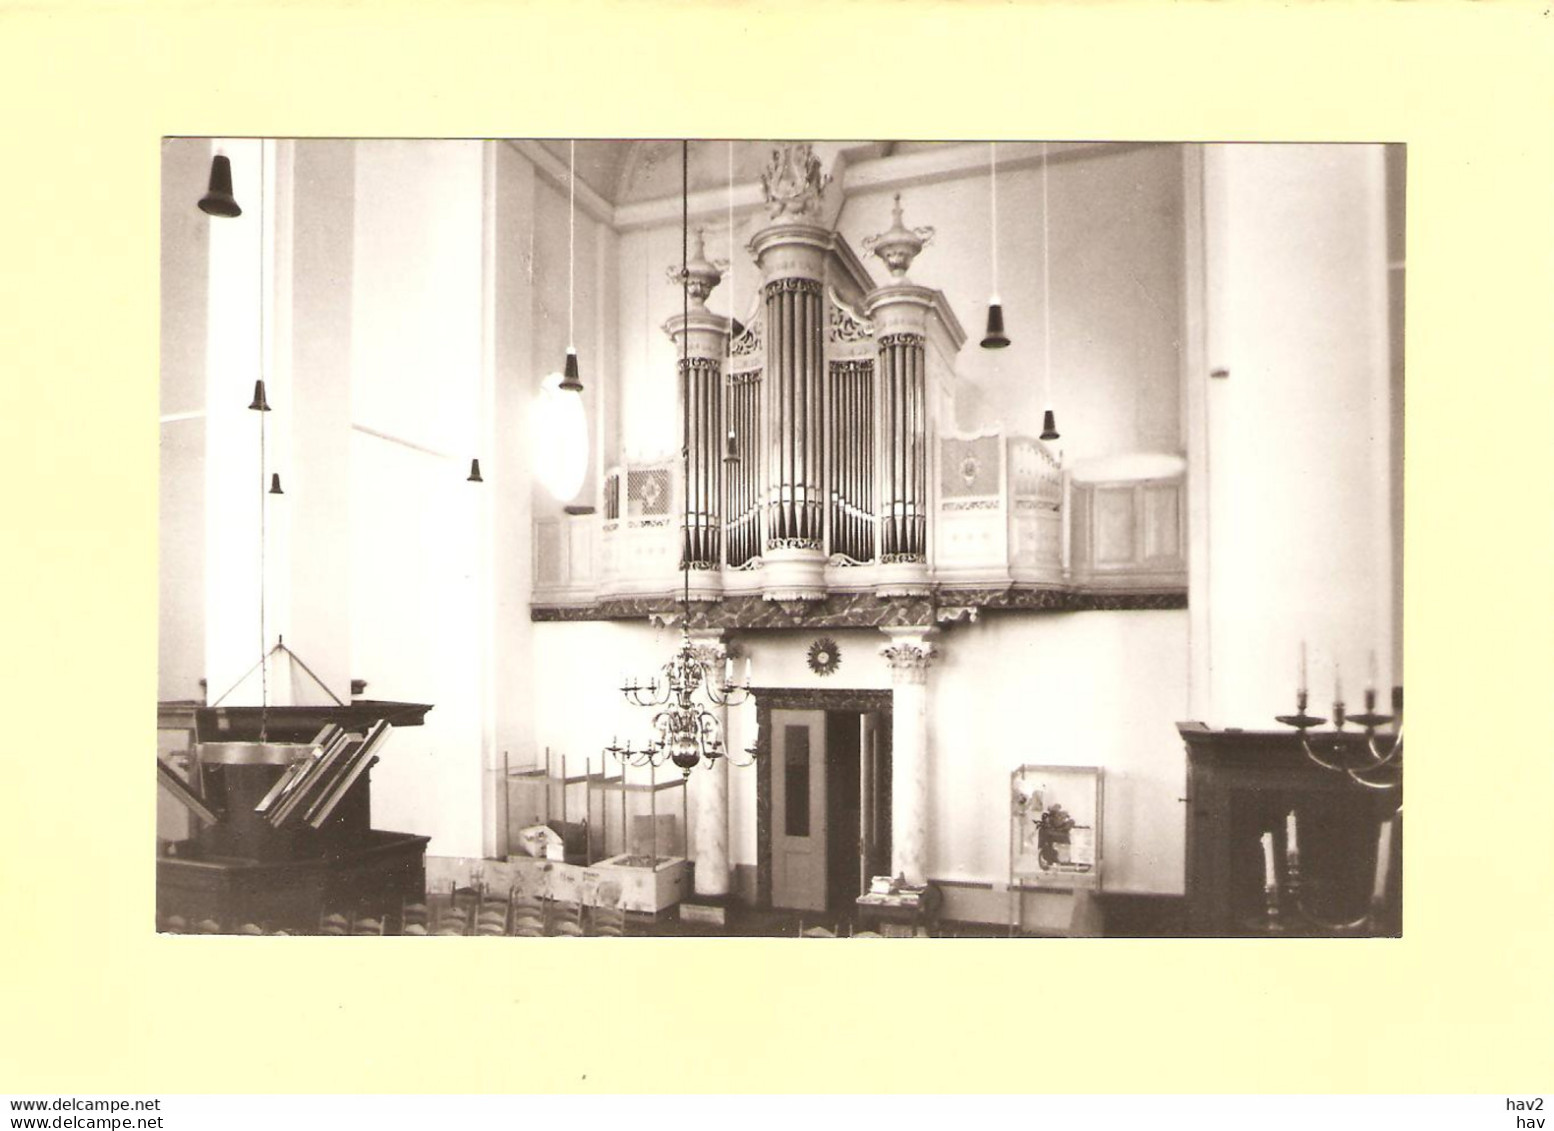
{"type": "Point", "coordinates": [685, 364]}
{"type": "Point", "coordinates": [264, 639]}
{"type": "Point", "coordinates": [992, 181]}
{"type": "Point", "coordinates": [1046, 288]}
{"type": "Point", "coordinates": [571, 244]}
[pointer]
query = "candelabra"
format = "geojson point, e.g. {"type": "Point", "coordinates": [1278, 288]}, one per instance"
{"type": "Point", "coordinates": [1290, 908]}
{"type": "Point", "coordinates": [685, 733]}
{"type": "Point", "coordinates": [1344, 757]}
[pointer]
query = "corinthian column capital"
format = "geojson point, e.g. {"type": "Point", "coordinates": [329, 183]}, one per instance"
{"type": "Point", "coordinates": [909, 653]}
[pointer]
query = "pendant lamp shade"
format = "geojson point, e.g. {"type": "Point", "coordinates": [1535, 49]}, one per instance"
{"type": "Point", "coordinates": [1049, 425]}
{"type": "Point", "coordinates": [474, 472]}
{"type": "Point", "coordinates": [560, 439]}
{"type": "Point", "coordinates": [995, 339]}
{"type": "Point", "coordinates": [570, 380]}
{"type": "Point", "coordinates": [275, 484]}
{"type": "Point", "coordinates": [218, 199]}
{"type": "Point", "coordinates": [259, 403]}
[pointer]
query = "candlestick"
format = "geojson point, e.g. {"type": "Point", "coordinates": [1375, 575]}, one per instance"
{"type": "Point", "coordinates": [1291, 839]}
{"type": "Point", "coordinates": [1270, 880]}
{"type": "Point", "coordinates": [1383, 861]}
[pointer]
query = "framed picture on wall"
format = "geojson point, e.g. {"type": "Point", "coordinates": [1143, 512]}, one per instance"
{"type": "Point", "coordinates": [1055, 827]}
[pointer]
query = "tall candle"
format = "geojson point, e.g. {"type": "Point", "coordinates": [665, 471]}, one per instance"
{"type": "Point", "coordinates": [747, 671]}
{"type": "Point", "coordinates": [1291, 840]}
{"type": "Point", "coordinates": [1383, 861]}
{"type": "Point", "coordinates": [1338, 684]}
{"type": "Point", "coordinates": [1270, 881]}
{"type": "Point", "coordinates": [1301, 687]}
{"type": "Point", "coordinates": [728, 670]}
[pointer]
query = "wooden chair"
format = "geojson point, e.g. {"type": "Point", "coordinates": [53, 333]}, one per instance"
{"type": "Point", "coordinates": [566, 919]}
{"type": "Point", "coordinates": [606, 922]}
{"type": "Point", "coordinates": [492, 914]}
{"type": "Point", "coordinates": [414, 918]}
{"type": "Point", "coordinates": [367, 925]}
{"type": "Point", "coordinates": [452, 920]}
{"type": "Point", "coordinates": [527, 917]}
{"type": "Point", "coordinates": [333, 923]}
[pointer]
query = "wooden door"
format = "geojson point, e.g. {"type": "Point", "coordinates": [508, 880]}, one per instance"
{"type": "Point", "coordinates": [799, 810]}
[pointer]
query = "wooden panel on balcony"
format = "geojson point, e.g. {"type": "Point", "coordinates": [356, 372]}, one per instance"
{"type": "Point", "coordinates": [1128, 533]}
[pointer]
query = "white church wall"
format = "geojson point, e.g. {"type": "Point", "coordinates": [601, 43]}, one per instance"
{"type": "Point", "coordinates": [1294, 497]}
{"type": "Point", "coordinates": [1115, 227]}
{"type": "Point", "coordinates": [1096, 688]}
{"type": "Point", "coordinates": [185, 269]}
{"type": "Point", "coordinates": [416, 620]}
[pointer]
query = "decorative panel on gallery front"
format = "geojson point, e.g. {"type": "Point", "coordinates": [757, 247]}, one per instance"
{"type": "Point", "coordinates": [998, 514]}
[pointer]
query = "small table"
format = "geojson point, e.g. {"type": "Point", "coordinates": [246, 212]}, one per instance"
{"type": "Point", "coordinates": [914, 909]}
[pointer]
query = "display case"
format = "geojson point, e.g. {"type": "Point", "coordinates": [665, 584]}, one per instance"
{"type": "Point", "coordinates": [1054, 832]}
{"type": "Point", "coordinates": [578, 834]}
{"type": "Point", "coordinates": [551, 796]}
{"type": "Point", "coordinates": [639, 840]}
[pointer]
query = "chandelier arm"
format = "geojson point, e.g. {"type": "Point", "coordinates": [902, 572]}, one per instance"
{"type": "Point", "coordinates": [1396, 748]}
{"type": "Point", "coordinates": [1372, 784]}
{"type": "Point", "coordinates": [1305, 744]}
{"type": "Point", "coordinates": [1333, 925]}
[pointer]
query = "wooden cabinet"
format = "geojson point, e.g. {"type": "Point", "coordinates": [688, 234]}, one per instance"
{"type": "Point", "coordinates": [1242, 784]}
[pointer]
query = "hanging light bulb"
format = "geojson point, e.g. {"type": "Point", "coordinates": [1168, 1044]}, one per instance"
{"type": "Point", "coordinates": [474, 472]}
{"type": "Point", "coordinates": [218, 199]}
{"type": "Point", "coordinates": [995, 338]}
{"type": "Point", "coordinates": [560, 439]}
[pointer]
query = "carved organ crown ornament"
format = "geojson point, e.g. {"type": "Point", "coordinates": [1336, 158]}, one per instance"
{"type": "Point", "coordinates": [792, 182]}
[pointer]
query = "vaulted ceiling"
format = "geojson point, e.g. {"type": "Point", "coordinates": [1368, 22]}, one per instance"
{"type": "Point", "coordinates": [628, 171]}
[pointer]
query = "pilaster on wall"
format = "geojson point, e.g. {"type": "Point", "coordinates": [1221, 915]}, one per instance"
{"type": "Point", "coordinates": [910, 654]}
{"type": "Point", "coordinates": [1293, 505]}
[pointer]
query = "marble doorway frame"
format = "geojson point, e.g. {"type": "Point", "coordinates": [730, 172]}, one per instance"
{"type": "Point", "coordinates": [769, 699]}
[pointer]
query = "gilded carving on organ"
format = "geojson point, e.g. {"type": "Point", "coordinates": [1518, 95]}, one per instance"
{"type": "Point", "coordinates": [793, 283]}
{"type": "Point", "coordinates": [747, 343]}
{"type": "Point", "coordinates": [792, 182]}
{"type": "Point", "coordinates": [847, 325]}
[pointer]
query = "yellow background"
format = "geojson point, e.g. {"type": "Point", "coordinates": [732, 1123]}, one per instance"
{"type": "Point", "coordinates": [92, 1001]}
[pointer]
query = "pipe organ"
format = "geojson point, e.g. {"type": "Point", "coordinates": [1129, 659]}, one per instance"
{"type": "Point", "coordinates": [821, 451]}
{"type": "Point", "coordinates": [830, 398]}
